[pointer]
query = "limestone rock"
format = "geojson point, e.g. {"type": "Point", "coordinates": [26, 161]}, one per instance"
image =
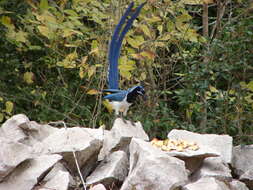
{"type": "Point", "coordinates": [60, 181]}
{"type": "Point", "coordinates": [206, 183]}
{"type": "Point", "coordinates": [212, 141]}
{"type": "Point", "coordinates": [12, 130]}
{"type": "Point", "coordinates": [237, 185]}
{"type": "Point", "coordinates": [28, 173]}
{"type": "Point", "coordinates": [242, 159]}
{"type": "Point", "coordinates": [112, 170]}
{"type": "Point", "coordinates": [64, 141]}
{"type": "Point", "coordinates": [120, 136]}
{"type": "Point", "coordinates": [55, 170]}
{"type": "Point", "coordinates": [38, 132]}
{"type": "Point", "coordinates": [214, 167]}
{"type": "Point", "coordinates": [247, 178]}
{"type": "Point", "coordinates": [151, 168]}
{"type": "Point", "coordinates": [243, 163]}
{"type": "Point", "coordinates": [11, 155]}
{"type": "Point", "coordinates": [98, 187]}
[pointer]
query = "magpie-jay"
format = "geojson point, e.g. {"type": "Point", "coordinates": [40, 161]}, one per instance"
{"type": "Point", "coordinates": [121, 99]}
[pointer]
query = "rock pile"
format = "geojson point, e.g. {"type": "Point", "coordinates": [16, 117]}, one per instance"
{"type": "Point", "coordinates": [40, 157]}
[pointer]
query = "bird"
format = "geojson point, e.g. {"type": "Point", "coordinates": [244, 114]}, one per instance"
{"type": "Point", "coordinates": [121, 100]}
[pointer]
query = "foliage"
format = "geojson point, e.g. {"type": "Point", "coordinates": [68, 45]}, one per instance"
{"type": "Point", "coordinates": [54, 64]}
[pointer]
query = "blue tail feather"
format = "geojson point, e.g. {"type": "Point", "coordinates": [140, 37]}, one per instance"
{"type": "Point", "coordinates": [116, 42]}
{"type": "Point", "coordinates": [113, 68]}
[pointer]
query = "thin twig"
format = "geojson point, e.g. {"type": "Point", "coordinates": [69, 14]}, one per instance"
{"type": "Point", "coordinates": [74, 154]}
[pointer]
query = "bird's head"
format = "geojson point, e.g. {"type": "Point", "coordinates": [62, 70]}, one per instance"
{"type": "Point", "coordinates": [134, 92]}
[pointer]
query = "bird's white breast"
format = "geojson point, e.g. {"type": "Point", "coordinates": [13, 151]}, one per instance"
{"type": "Point", "coordinates": [120, 106]}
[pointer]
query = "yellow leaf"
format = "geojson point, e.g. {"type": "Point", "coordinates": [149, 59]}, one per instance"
{"type": "Point", "coordinates": [84, 60]}
{"type": "Point", "coordinates": [81, 73]}
{"type": "Point", "coordinates": [183, 18]}
{"type": "Point", "coordinates": [197, 2]}
{"type": "Point", "coordinates": [125, 66]}
{"type": "Point", "coordinates": [28, 77]}
{"type": "Point", "coordinates": [1, 117]}
{"type": "Point", "coordinates": [132, 42]}
{"type": "Point", "coordinates": [170, 26]}
{"type": "Point", "coordinates": [91, 71]}
{"type": "Point", "coordinates": [43, 4]}
{"type": "Point", "coordinates": [94, 47]}
{"type": "Point", "coordinates": [92, 92]}
{"type": "Point", "coordinates": [71, 56]}
{"type": "Point", "coordinates": [148, 54]}
{"type": "Point", "coordinates": [146, 30]}
{"type": "Point", "coordinates": [8, 107]}
{"type": "Point", "coordinates": [213, 89]}
{"type": "Point", "coordinates": [6, 21]}
{"type": "Point", "coordinates": [250, 85]}
{"type": "Point", "coordinates": [160, 28]}
{"type": "Point", "coordinates": [153, 19]}
{"type": "Point", "coordinates": [143, 76]}
{"type": "Point", "coordinates": [44, 31]}
{"type": "Point", "coordinates": [108, 106]}
{"type": "Point", "coordinates": [1, 99]}
{"type": "Point", "coordinates": [165, 37]}
{"type": "Point", "coordinates": [135, 42]}
{"type": "Point", "coordinates": [21, 36]}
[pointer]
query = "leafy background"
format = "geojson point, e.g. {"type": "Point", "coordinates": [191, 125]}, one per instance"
{"type": "Point", "coordinates": [53, 57]}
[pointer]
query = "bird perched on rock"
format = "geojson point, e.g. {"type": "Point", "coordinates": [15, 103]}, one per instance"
{"type": "Point", "coordinates": [121, 99]}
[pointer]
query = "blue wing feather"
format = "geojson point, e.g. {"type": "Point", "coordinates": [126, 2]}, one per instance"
{"type": "Point", "coordinates": [117, 96]}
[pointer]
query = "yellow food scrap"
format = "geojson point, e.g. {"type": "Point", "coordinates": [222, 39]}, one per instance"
{"type": "Point", "coordinates": [178, 145]}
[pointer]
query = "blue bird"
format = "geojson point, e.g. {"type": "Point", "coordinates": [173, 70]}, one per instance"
{"type": "Point", "coordinates": [121, 100]}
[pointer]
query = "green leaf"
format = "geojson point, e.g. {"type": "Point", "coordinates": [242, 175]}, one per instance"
{"type": "Point", "coordinates": [43, 4]}
{"type": "Point", "coordinates": [250, 86]}
{"type": "Point", "coordinates": [1, 117]}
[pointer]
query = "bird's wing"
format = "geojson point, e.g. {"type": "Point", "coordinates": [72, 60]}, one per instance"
{"type": "Point", "coordinates": [112, 90]}
{"type": "Point", "coordinates": [119, 96]}
{"type": "Point", "coordinates": [115, 44]}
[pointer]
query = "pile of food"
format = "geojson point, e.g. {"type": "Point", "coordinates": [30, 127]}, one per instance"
{"type": "Point", "coordinates": [174, 145]}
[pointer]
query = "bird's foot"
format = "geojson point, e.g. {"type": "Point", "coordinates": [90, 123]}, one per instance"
{"type": "Point", "coordinates": [123, 119]}
{"type": "Point", "coordinates": [132, 122]}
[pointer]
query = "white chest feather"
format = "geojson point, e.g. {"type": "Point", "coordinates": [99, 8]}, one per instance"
{"type": "Point", "coordinates": [122, 106]}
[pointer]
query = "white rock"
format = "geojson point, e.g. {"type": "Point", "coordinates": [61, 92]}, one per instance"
{"type": "Point", "coordinates": [112, 170]}
{"type": "Point", "coordinates": [27, 174]}
{"type": "Point", "coordinates": [242, 159]}
{"type": "Point", "coordinates": [12, 130]}
{"type": "Point", "coordinates": [64, 141]}
{"type": "Point", "coordinates": [56, 168]}
{"type": "Point", "coordinates": [151, 168]}
{"type": "Point", "coordinates": [60, 181]}
{"type": "Point", "coordinates": [237, 185]}
{"type": "Point", "coordinates": [212, 141]}
{"type": "Point", "coordinates": [242, 163]}
{"type": "Point", "coordinates": [37, 131]}
{"type": "Point", "coordinates": [206, 184]}
{"type": "Point", "coordinates": [214, 167]}
{"type": "Point", "coordinates": [247, 178]}
{"type": "Point", "coordinates": [120, 136]}
{"type": "Point", "coordinates": [98, 187]}
{"type": "Point", "coordinates": [12, 154]}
